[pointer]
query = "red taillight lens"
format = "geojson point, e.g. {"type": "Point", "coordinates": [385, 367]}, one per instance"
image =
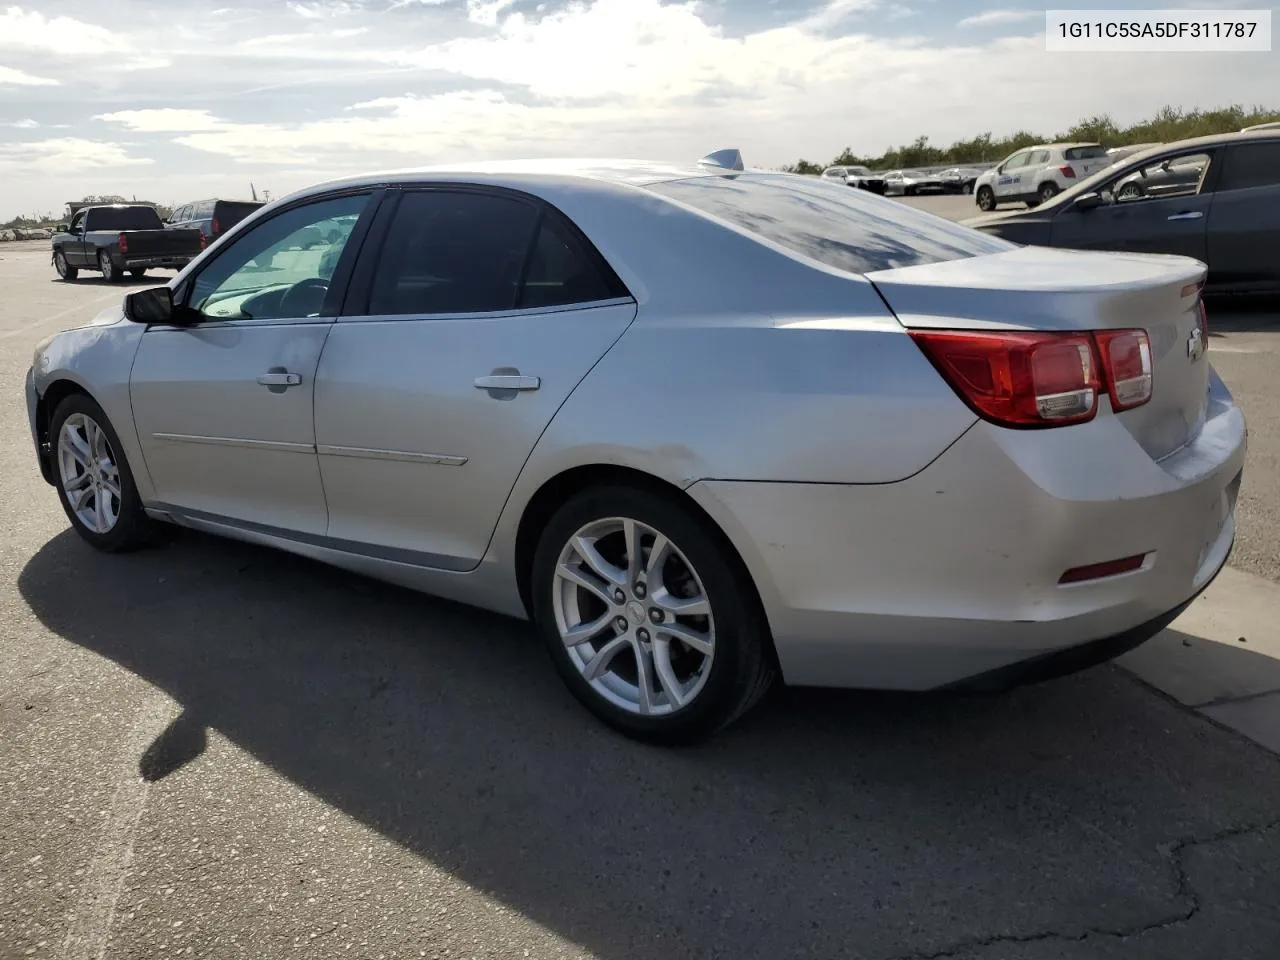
{"type": "Point", "coordinates": [123, 243]}
{"type": "Point", "coordinates": [1097, 571]}
{"type": "Point", "coordinates": [214, 228]}
{"type": "Point", "coordinates": [1126, 360]}
{"type": "Point", "coordinates": [204, 241]}
{"type": "Point", "coordinates": [1067, 171]}
{"type": "Point", "coordinates": [1018, 379]}
{"type": "Point", "coordinates": [1204, 325]}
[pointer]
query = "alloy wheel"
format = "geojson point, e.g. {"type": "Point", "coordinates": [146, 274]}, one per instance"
{"type": "Point", "coordinates": [634, 616]}
{"type": "Point", "coordinates": [89, 474]}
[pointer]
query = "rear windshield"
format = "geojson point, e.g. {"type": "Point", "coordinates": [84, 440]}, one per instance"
{"type": "Point", "coordinates": [851, 230]}
{"type": "Point", "coordinates": [231, 212]}
{"type": "Point", "coordinates": [1085, 153]}
{"type": "Point", "coordinates": [123, 218]}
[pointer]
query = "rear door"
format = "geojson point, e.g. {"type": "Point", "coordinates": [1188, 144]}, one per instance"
{"type": "Point", "coordinates": [466, 328]}
{"type": "Point", "coordinates": [1173, 222]}
{"type": "Point", "coordinates": [1244, 222]}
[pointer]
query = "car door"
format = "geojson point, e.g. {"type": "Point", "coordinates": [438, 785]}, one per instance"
{"type": "Point", "coordinates": [1010, 176]}
{"type": "Point", "coordinates": [446, 367]}
{"type": "Point", "coordinates": [1142, 223]}
{"type": "Point", "coordinates": [75, 251]}
{"type": "Point", "coordinates": [223, 403]}
{"type": "Point", "coordinates": [1243, 234]}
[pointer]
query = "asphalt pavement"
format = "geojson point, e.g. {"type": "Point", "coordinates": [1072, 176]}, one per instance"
{"type": "Point", "coordinates": [214, 750]}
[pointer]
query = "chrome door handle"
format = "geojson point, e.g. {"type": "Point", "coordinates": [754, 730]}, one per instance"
{"type": "Point", "coordinates": [1189, 215]}
{"type": "Point", "coordinates": [508, 382]}
{"type": "Point", "coordinates": [280, 379]}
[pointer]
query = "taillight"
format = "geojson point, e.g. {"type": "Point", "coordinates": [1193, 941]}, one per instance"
{"type": "Point", "coordinates": [1018, 379]}
{"type": "Point", "coordinates": [123, 243]}
{"type": "Point", "coordinates": [1126, 360]}
{"type": "Point", "coordinates": [214, 228]}
{"type": "Point", "coordinates": [1067, 171]}
{"type": "Point", "coordinates": [1031, 380]}
{"type": "Point", "coordinates": [1204, 324]}
{"type": "Point", "coordinates": [204, 241]}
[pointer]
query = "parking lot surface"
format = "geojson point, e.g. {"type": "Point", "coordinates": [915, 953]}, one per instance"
{"type": "Point", "coordinates": [213, 750]}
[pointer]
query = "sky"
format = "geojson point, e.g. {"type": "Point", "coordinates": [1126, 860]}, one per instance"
{"type": "Point", "coordinates": [182, 100]}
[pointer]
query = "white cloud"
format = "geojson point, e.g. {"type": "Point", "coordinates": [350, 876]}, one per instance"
{"type": "Point", "coordinates": [32, 30]}
{"type": "Point", "coordinates": [23, 161]}
{"type": "Point", "coordinates": [27, 124]}
{"type": "Point", "coordinates": [164, 120]}
{"type": "Point", "coordinates": [486, 12]}
{"type": "Point", "coordinates": [993, 18]}
{"type": "Point", "coordinates": [18, 78]}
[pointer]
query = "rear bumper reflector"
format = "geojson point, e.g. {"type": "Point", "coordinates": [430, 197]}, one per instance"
{"type": "Point", "coordinates": [1098, 571]}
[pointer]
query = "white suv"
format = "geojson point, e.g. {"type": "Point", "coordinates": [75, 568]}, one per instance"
{"type": "Point", "coordinates": [1037, 174]}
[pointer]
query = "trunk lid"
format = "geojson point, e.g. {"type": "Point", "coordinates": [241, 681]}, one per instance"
{"type": "Point", "coordinates": [1042, 289]}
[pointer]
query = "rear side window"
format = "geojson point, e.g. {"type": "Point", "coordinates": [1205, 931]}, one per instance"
{"type": "Point", "coordinates": [1251, 165]}
{"type": "Point", "coordinates": [1085, 153]}
{"type": "Point", "coordinates": [231, 212]}
{"type": "Point", "coordinates": [851, 230]}
{"type": "Point", "coordinates": [561, 271]}
{"type": "Point", "coordinates": [453, 253]}
{"type": "Point", "coordinates": [1040, 156]}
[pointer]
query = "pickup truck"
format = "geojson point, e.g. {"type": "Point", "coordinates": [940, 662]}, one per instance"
{"type": "Point", "coordinates": [121, 237]}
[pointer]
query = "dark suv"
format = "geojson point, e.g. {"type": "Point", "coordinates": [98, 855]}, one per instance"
{"type": "Point", "coordinates": [212, 218]}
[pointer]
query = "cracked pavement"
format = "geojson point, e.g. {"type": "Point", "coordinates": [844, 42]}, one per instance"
{"type": "Point", "coordinates": [213, 750]}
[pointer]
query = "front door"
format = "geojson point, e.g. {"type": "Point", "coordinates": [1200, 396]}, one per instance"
{"type": "Point", "coordinates": [223, 405]}
{"type": "Point", "coordinates": [1246, 210]}
{"type": "Point", "coordinates": [1011, 179]}
{"type": "Point", "coordinates": [432, 394]}
{"type": "Point", "coordinates": [1141, 221]}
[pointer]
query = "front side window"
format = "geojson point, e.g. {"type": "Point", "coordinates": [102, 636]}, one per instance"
{"type": "Point", "coordinates": [1251, 165]}
{"type": "Point", "coordinates": [279, 268]}
{"type": "Point", "coordinates": [1180, 176]}
{"type": "Point", "coordinates": [850, 230]}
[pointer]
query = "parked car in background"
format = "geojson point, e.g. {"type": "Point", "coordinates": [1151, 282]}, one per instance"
{"type": "Point", "coordinates": [1217, 199]}
{"type": "Point", "coordinates": [856, 176]}
{"type": "Point", "coordinates": [443, 412]}
{"type": "Point", "coordinates": [212, 218]}
{"type": "Point", "coordinates": [1272, 125]}
{"type": "Point", "coordinates": [121, 238]}
{"type": "Point", "coordinates": [1037, 174]}
{"type": "Point", "coordinates": [908, 183]}
{"type": "Point", "coordinates": [1116, 154]}
{"type": "Point", "coordinates": [959, 179]}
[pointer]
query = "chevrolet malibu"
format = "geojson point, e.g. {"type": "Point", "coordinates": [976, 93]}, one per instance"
{"type": "Point", "coordinates": [704, 426]}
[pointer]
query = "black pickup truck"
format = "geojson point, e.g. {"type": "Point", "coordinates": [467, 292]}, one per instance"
{"type": "Point", "coordinates": [121, 237]}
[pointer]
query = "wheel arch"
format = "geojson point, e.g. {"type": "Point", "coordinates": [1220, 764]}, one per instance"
{"type": "Point", "coordinates": [54, 393]}
{"type": "Point", "coordinates": [560, 488]}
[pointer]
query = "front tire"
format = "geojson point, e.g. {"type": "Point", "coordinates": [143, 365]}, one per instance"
{"type": "Point", "coordinates": [65, 270]}
{"type": "Point", "coordinates": [138, 273]}
{"type": "Point", "coordinates": [110, 272]}
{"type": "Point", "coordinates": [93, 479]}
{"type": "Point", "coordinates": [986, 199]}
{"type": "Point", "coordinates": [650, 621]}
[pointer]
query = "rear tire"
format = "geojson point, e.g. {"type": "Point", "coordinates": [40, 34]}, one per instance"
{"type": "Point", "coordinates": [65, 270]}
{"type": "Point", "coordinates": [110, 272]}
{"type": "Point", "coordinates": [582, 566]}
{"type": "Point", "coordinates": [93, 479]}
{"type": "Point", "coordinates": [1048, 190]}
{"type": "Point", "coordinates": [986, 199]}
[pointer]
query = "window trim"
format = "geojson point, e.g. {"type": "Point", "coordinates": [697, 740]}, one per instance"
{"type": "Point", "coordinates": [355, 305]}
{"type": "Point", "coordinates": [338, 282]}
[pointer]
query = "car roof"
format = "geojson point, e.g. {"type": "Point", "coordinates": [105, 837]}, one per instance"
{"type": "Point", "coordinates": [605, 171]}
{"type": "Point", "coordinates": [1212, 140]}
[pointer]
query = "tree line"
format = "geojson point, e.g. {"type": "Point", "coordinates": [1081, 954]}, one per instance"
{"type": "Point", "coordinates": [1169, 124]}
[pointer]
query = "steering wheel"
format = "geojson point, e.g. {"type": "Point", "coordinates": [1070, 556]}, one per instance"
{"type": "Point", "coordinates": [293, 304]}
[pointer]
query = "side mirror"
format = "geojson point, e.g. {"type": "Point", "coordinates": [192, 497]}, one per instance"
{"type": "Point", "coordinates": [1087, 201]}
{"type": "Point", "coordinates": [153, 305]}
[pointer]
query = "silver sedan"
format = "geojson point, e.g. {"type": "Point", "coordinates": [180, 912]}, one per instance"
{"type": "Point", "coordinates": [704, 426]}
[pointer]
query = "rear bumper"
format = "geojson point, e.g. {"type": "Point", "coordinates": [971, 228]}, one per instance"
{"type": "Point", "coordinates": [954, 573]}
{"type": "Point", "coordinates": [159, 261]}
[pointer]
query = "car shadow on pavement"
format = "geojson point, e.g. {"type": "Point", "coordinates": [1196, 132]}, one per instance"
{"type": "Point", "coordinates": [825, 824]}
